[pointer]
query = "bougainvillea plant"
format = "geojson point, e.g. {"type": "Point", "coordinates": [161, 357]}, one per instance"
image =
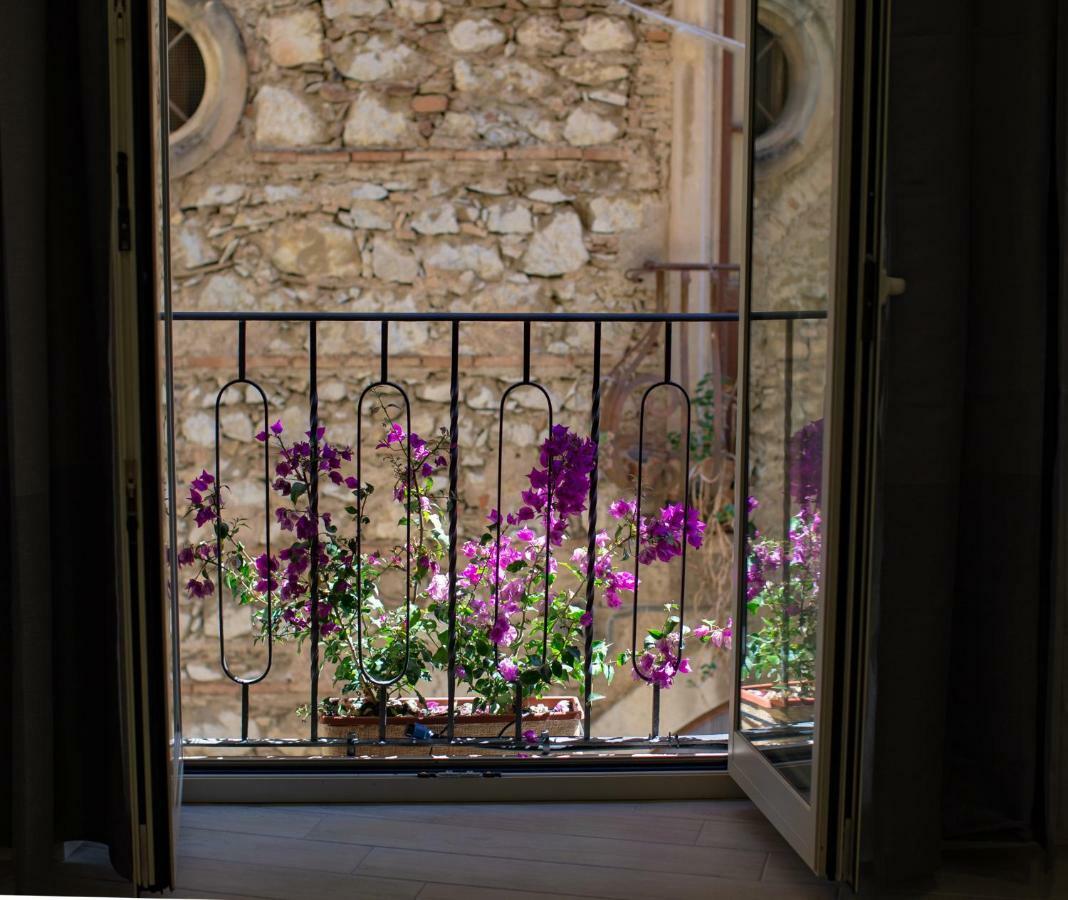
{"type": "Point", "coordinates": [506, 642]}
{"type": "Point", "coordinates": [783, 580]}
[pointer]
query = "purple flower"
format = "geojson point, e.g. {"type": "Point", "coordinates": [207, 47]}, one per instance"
{"type": "Point", "coordinates": [200, 588]}
{"type": "Point", "coordinates": [503, 633]}
{"type": "Point", "coordinates": [622, 509]}
{"type": "Point", "coordinates": [806, 462]}
{"type": "Point", "coordinates": [394, 436]}
{"type": "Point", "coordinates": [530, 736]}
{"type": "Point", "coordinates": [185, 556]}
{"type": "Point", "coordinates": [586, 620]}
{"type": "Point", "coordinates": [508, 669]}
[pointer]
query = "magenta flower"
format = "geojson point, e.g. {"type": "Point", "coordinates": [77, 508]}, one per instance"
{"type": "Point", "coordinates": [508, 669]}
{"type": "Point", "coordinates": [395, 435]}
{"type": "Point", "coordinates": [530, 736]}
{"type": "Point", "coordinates": [503, 632]}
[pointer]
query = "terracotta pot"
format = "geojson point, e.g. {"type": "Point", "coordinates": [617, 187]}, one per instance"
{"type": "Point", "coordinates": [467, 725]}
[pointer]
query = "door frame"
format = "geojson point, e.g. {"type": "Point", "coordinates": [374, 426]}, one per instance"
{"type": "Point", "coordinates": [147, 638]}
{"type": "Point", "coordinates": [823, 829]}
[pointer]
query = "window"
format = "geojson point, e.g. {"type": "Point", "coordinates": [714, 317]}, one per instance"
{"type": "Point", "coordinates": [772, 81]}
{"type": "Point", "coordinates": [207, 78]}
{"type": "Point", "coordinates": [185, 74]}
{"type": "Point", "coordinates": [793, 71]}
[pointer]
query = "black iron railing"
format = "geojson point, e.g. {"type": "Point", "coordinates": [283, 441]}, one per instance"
{"type": "Point", "coordinates": [456, 321]}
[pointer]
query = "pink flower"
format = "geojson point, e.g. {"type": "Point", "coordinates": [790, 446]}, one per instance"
{"type": "Point", "coordinates": [702, 631]}
{"type": "Point", "coordinates": [530, 736]}
{"type": "Point", "coordinates": [438, 589]}
{"type": "Point", "coordinates": [508, 669]}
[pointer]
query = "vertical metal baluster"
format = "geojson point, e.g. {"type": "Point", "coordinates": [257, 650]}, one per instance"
{"type": "Point", "coordinates": [591, 546]}
{"type": "Point", "coordinates": [383, 701]}
{"type": "Point", "coordinates": [313, 506]}
{"type": "Point", "coordinates": [788, 402]}
{"type": "Point", "coordinates": [454, 470]}
{"type": "Point", "coordinates": [526, 353]}
{"type": "Point", "coordinates": [654, 731]}
{"type": "Point", "coordinates": [518, 711]}
{"type": "Point", "coordinates": [384, 353]}
{"type": "Point", "coordinates": [241, 377]}
{"type": "Point", "coordinates": [667, 353]}
{"type": "Point", "coordinates": [685, 522]}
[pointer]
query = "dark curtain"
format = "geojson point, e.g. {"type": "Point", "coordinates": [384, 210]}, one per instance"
{"type": "Point", "coordinates": [956, 736]}
{"type": "Point", "coordinates": [69, 772]}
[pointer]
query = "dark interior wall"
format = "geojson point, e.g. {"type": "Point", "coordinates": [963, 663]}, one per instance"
{"type": "Point", "coordinates": [962, 587]}
{"type": "Point", "coordinates": [921, 423]}
{"type": "Point", "coordinates": [6, 695]}
{"type": "Point", "coordinates": [1003, 561]}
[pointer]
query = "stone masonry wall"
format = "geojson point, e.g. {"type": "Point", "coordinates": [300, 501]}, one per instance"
{"type": "Point", "coordinates": [413, 155]}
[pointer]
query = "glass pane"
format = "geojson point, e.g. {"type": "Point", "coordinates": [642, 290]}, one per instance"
{"type": "Point", "coordinates": [790, 277]}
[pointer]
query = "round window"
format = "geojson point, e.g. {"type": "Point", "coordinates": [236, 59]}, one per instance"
{"type": "Point", "coordinates": [185, 75]}
{"type": "Point", "coordinates": [207, 78]}
{"type": "Point", "coordinates": [772, 81]}
{"type": "Point", "coordinates": [793, 74]}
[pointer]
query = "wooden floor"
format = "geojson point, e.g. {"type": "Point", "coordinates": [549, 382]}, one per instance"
{"type": "Point", "coordinates": [529, 851]}
{"type": "Point", "coordinates": [525, 851]}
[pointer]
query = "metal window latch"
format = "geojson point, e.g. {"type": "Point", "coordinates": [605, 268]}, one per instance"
{"type": "Point", "coordinates": [890, 286]}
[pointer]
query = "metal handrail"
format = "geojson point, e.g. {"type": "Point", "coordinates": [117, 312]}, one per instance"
{"type": "Point", "coordinates": [311, 319]}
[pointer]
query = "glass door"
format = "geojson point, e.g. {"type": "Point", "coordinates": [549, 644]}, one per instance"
{"type": "Point", "coordinates": [799, 373]}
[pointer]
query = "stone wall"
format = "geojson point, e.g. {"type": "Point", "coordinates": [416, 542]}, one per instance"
{"type": "Point", "coordinates": [420, 155]}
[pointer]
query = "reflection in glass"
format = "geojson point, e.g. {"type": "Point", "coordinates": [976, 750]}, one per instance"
{"type": "Point", "coordinates": [786, 363]}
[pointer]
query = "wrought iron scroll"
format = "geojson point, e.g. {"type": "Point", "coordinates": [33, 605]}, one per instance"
{"type": "Point", "coordinates": [667, 382]}
{"type": "Point", "coordinates": [384, 683]}
{"type": "Point", "coordinates": [245, 681]}
{"type": "Point", "coordinates": [526, 382]}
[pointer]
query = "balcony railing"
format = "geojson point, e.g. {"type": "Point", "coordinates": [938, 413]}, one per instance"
{"type": "Point", "coordinates": [668, 378]}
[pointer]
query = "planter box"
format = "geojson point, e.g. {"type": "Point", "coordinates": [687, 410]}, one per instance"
{"type": "Point", "coordinates": [782, 709]}
{"type": "Point", "coordinates": [565, 722]}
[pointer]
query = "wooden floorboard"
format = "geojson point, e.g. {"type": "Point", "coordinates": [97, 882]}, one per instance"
{"type": "Point", "coordinates": [489, 851]}
{"type": "Point", "coordinates": [541, 845]}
